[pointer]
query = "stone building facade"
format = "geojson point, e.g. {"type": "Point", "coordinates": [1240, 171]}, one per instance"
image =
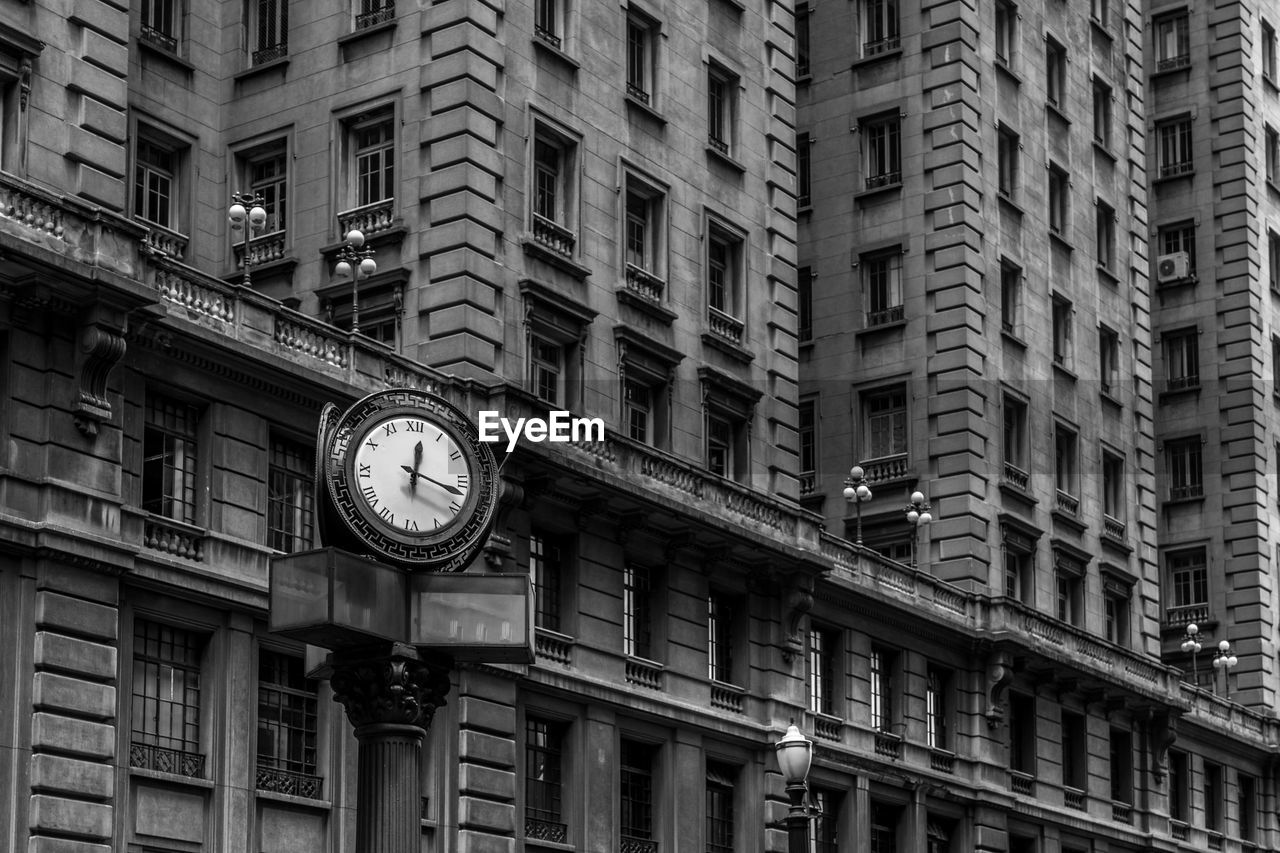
{"type": "Point", "coordinates": [590, 207]}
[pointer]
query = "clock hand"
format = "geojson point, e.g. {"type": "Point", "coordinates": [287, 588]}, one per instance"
{"type": "Point", "coordinates": [413, 475]}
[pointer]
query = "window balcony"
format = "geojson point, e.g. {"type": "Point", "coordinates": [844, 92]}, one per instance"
{"type": "Point", "coordinates": [644, 673]}
{"type": "Point", "coordinates": [375, 16]}
{"type": "Point", "coordinates": [1113, 528]}
{"type": "Point", "coordinates": [163, 241]}
{"type": "Point", "coordinates": [727, 697]}
{"type": "Point", "coordinates": [1022, 783]}
{"type": "Point", "coordinates": [894, 314]}
{"type": "Point", "coordinates": [1016, 477]}
{"type": "Point", "coordinates": [369, 219]}
{"type": "Point", "coordinates": [547, 36]}
{"type": "Point", "coordinates": [174, 538]}
{"type": "Point", "coordinates": [942, 761]}
{"type": "Point", "coordinates": [1178, 829]}
{"type": "Point", "coordinates": [163, 760]}
{"type": "Point", "coordinates": [553, 236]}
{"type": "Point", "coordinates": [545, 830]}
{"type": "Point", "coordinates": [162, 40]}
{"type": "Point", "coordinates": [638, 93]}
{"type": "Point", "coordinates": [1073, 798]}
{"type": "Point", "coordinates": [888, 745]}
{"type": "Point", "coordinates": [1182, 493]}
{"type": "Point", "coordinates": [1173, 170]}
{"type": "Point", "coordinates": [724, 326]}
{"type": "Point", "coordinates": [1173, 63]}
{"type": "Point", "coordinates": [270, 53]}
{"type": "Point", "coordinates": [1067, 503]}
{"type": "Point", "coordinates": [879, 46]}
{"type": "Point", "coordinates": [808, 483]}
{"type": "Point", "coordinates": [637, 845]}
{"type": "Point", "coordinates": [1181, 383]}
{"type": "Point", "coordinates": [288, 782]}
{"type": "Point", "coordinates": [885, 179]}
{"type": "Point", "coordinates": [719, 144]}
{"type": "Point", "coordinates": [886, 468]}
{"type": "Point", "coordinates": [548, 645]}
{"type": "Point", "coordinates": [644, 284]}
{"type": "Point", "coordinates": [262, 250]}
{"type": "Point", "coordinates": [1186, 614]}
{"type": "Point", "coordinates": [1122, 812]}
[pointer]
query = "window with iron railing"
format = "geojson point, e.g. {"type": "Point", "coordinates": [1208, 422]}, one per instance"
{"type": "Point", "coordinates": [1183, 466]}
{"type": "Point", "coordinates": [160, 23]}
{"type": "Point", "coordinates": [882, 285]}
{"type": "Point", "coordinates": [269, 30]}
{"type": "Point", "coordinates": [287, 711]}
{"type": "Point", "coordinates": [169, 459]}
{"type": "Point", "coordinates": [721, 623]}
{"type": "Point", "coordinates": [635, 769]}
{"type": "Point", "coordinates": [373, 157]}
{"type": "Point", "coordinates": [1182, 358]}
{"type": "Point", "coordinates": [1006, 22]}
{"type": "Point", "coordinates": [165, 706]}
{"type": "Point", "coordinates": [882, 150]}
{"type": "Point", "coordinates": [642, 45]}
{"type": "Point", "coordinates": [722, 107]}
{"type": "Point", "coordinates": [547, 559]}
{"type": "Point", "coordinates": [290, 501]}
{"type": "Point", "coordinates": [1055, 73]}
{"type": "Point", "coordinates": [544, 817]}
{"type": "Point", "coordinates": [370, 13]}
{"type": "Point", "coordinates": [937, 726]}
{"type": "Point", "coordinates": [1188, 575]}
{"type": "Point", "coordinates": [1173, 141]}
{"type": "Point", "coordinates": [1172, 35]}
{"type": "Point", "coordinates": [637, 611]}
{"type": "Point", "coordinates": [880, 24]}
{"type": "Point", "coordinates": [824, 653]}
{"type": "Point", "coordinates": [721, 782]}
{"type": "Point", "coordinates": [802, 39]}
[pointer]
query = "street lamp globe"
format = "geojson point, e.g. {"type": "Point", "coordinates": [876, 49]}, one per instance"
{"type": "Point", "coordinates": [236, 215]}
{"type": "Point", "coordinates": [1192, 644]}
{"type": "Point", "coordinates": [368, 267]}
{"type": "Point", "coordinates": [795, 755]}
{"type": "Point", "coordinates": [355, 238]}
{"type": "Point", "coordinates": [257, 217]}
{"type": "Point", "coordinates": [343, 269]}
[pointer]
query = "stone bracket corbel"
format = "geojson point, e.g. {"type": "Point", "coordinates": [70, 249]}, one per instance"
{"type": "Point", "coordinates": [999, 677]}
{"type": "Point", "coordinates": [799, 601]}
{"type": "Point", "coordinates": [1162, 733]}
{"type": "Point", "coordinates": [100, 346]}
{"type": "Point", "coordinates": [497, 550]}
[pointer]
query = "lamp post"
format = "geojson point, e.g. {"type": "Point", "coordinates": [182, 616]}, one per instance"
{"type": "Point", "coordinates": [795, 755]}
{"type": "Point", "coordinates": [1225, 660]}
{"type": "Point", "coordinates": [917, 514]}
{"type": "Point", "coordinates": [857, 492]}
{"type": "Point", "coordinates": [354, 260]}
{"type": "Point", "coordinates": [1191, 645]}
{"type": "Point", "coordinates": [247, 209]}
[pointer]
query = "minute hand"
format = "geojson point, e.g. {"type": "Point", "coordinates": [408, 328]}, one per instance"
{"type": "Point", "coordinates": [450, 489]}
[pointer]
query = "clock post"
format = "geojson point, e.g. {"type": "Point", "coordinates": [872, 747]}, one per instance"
{"type": "Point", "coordinates": [405, 496]}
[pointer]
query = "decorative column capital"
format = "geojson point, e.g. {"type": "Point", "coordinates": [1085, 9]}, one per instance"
{"type": "Point", "coordinates": [389, 685]}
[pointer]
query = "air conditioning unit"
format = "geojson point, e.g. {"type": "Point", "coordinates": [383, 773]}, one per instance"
{"type": "Point", "coordinates": [1172, 267]}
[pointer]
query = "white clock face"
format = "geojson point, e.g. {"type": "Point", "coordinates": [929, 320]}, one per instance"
{"type": "Point", "coordinates": [412, 475]}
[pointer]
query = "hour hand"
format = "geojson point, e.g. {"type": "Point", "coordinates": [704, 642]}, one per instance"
{"type": "Point", "coordinates": [413, 475]}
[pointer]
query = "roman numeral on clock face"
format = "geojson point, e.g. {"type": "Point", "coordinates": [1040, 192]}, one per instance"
{"type": "Point", "coordinates": [410, 524]}
{"type": "Point", "coordinates": [455, 456]}
{"type": "Point", "coordinates": [386, 513]}
{"type": "Point", "coordinates": [366, 471]}
{"type": "Point", "coordinates": [464, 481]}
{"type": "Point", "coordinates": [371, 495]}
{"type": "Point", "coordinates": [389, 429]}
{"type": "Point", "coordinates": [414, 426]}
{"type": "Point", "coordinates": [456, 507]}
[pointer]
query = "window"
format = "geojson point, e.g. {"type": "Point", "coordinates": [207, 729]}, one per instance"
{"type": "Point", "coordinates": [268, 30]}
{"type": "Point", "coordinates": [1112, 486]}
{"type": "Point", "coordinates": [290, 497]}
{"type": "Point", "coordinates": [1065, 451]}
{"type": "Point", "coordinates": [936, 711]}
{"type": "Point", "coordinates": [726, 430]}
{"type": "Point", "coordinates": [1015, 442]}
{"type": "Point", "coordinates": [1182, 459]}
{"type": "Point", "coordinates": [1059, 201]}
{"type": "Point", "coordinates": [1188, 583]}
{"type": "Point", "coordinates": [1106, 235]}
{"type": "Point", "coordinates": [374, 12]}
{"type": "Point", "coordinates": [1067, 597]}
{"type": "Point", "coordinates": [1268, 52]}
{"type": "Point", "coordinates": [1006, 32]}
{"type": "Point", "coordinates": [884, 827]}
{"type": "Point", "coordinates": [1180, 238]}
{"type": "Point", "coordinates": [1247, 793]}
{"type": "Point", "coordinates": [637, 612]}
{"type": "Point", "coordinates": [804, 286]}
{"type": "Point", "coordinates": [644, 215]}
{"type": "Point", "coordinates": [802, 39]}
{"type": "Point", "coordinates": [722, 612]}
{"type": "Point", "coordinates": [1174, 141]}
{"type": "Point", "coordinates": [637, 402]}
{"type": "Point", "coordinates": [1101, 111]}
{"type": "Point", "coordinates": [1007, 146]}
{"type": "Point", "coordinates": [1121, 762]}
{"type": "Point", "coordinates": [802, 170]}
{"type": "Point", "coordinates": [286, 726]}
{"type": "Point", "coordinates": [1019, 565]}
{"type": "Point", "coordinates": [169, 459]}
{"type": "Point", "coordinates": [879, 26]}
{"type": "Point", "coordinates": [1273, 260]}
{"type": "Point", "coordinates": [166, 699]}
{"type": "Point", "coordinates": [1109, 360]}
{"type": "Point", "coordinates": [373, 158]}
{"type": "Point", "coordinates": [1173, 42]}
{"type": "Point", "coordinates": [807, 426]}
{"type": "Point", "coordinates": [548, 21]}
{"type": "Point", "coordinates": [544, 817]}
{"type": "Point", "coordinates": [1061, 332]}
{"type": "Point", "coordinates": [824, 653]}
{"type": "Point", "coordinates": [161, 20]}
{"type": "Point", "coordinates": [1075, 751]}
{"type": "Point", "coordinates": [155, 183]}
{"type": "Point", "coordinates": [722, 445]}
{"type": "Point", "coordinates": [725, 282]}
{"type": "Point", "coordinates": [1098, 11]}
{"type": "Point", "coordinates": [546, 370]}
{"type": "Point", "coordinates": [1022, 733]}
{"type": "Point", "coordinates": [824, 827]}
{"type": "Point", "coordinates": [265, 171]}
{"type": "Point", "coordinates": [547, 564]}
{"type": "Point", "coordinates": [553, 191]}
{"type": "Point", "coordinates": [635, 770]}
{"type": "Point", "coordinates": [1182, 359]}
{"type": "Point", "coordinates": [642, 42]}
{"type": "Point", "coordinates": [1213, 796]}
{"type": "Point", "coordinates": [1179, 785]}
{"type": "Point", "coordinates": [721, 781]}
{"type": "Point", "coordinates": [880, 664]}
{"type": "Point", "coordinates": [722, 108]}
{"type": "Point", "coordinates": [882, 150]}
{"type": "Point", "coordinates": [882, 284]}
{"type": "Point", "coordinates": [884, 414]}
{"type": "Point", "coordinates": [1116, 619]}
{"type": "Point", "coordinates": [1055, 73]}
{"type": "Point", "coordinates": [1010, 297]}
{"type": "Point", "coordinates": [1273, 153]}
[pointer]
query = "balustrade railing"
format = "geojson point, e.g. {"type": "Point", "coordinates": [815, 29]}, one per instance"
{"type": "Point", "coordinates": [1178, 829]}
{"type": "Point", "coordinates": [889, 745]}
{"type": "Point", "coordinates": [643, 673]}
{"type": "Point", "coordinates": [1113, 528]}
{"type": "Point", "coordinates": [174, 538]}
{"type": "Point", "coordinates": [369, 219]}
{"type": "Point", "coordinates": [1016, 477]}
{"type": "Point", "coordinates": [553, 236]}
{"type": "Point", "coordinates": [1186, 614]}
{"type": "Point", "coordinates": [827, 728]}
{"type": "Point", "coordinates": [147, 756]}
{"type": "Point", "coordinates": [1073, 798]}
{"type": "Point", "coordinates": [727, 697]}
{"type": "Point", "coordinates": [379, 14]}
{"type": "Point", "coordinates": [1067, 503]}
{"type": "Point", "coordinates": [942, 761]}
{"type": "Point", "coordinates": [551, 646]}
{"type": "Point", "coordinates": [886, 468]}
{"type": "Point", "coordinates": [288, 782]}
{"type": "Point", "coordinates": [644, 284]}
{"type": "Point", "coordinates": [1122, 812]}
{"type": "Point", "coordinates": [162, 241]}
{"type": "Point", "coordinates": [724, 326]}
{"type": "Point", "coordinates": [262, 250]}
{"type": "Point", "coordinates": [1022, 783]}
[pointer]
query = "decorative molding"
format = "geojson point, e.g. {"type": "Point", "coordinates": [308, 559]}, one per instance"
{"type": "Point", "coordinates": [799, 601]}
{"type": "Point", "coordinates": [999, 677]}
{"type": "Point", "coordinates": [389, 685]}
{"type": "Point", "coordinates": [1162, 732]}
{"type": "Point", "coordinates": [101, 346]}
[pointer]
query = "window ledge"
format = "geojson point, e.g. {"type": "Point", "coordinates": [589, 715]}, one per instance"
{"type": "Point", "coordinates": [1172, 284]}
{"type": "Point", "coordinates": [357, 36]}
{"type": "Point", "coordinates": [254, 70]}
{"type": "Point", "coordinates": [736, 5]}
{"type": "Point", "coordinates": [865, 61]}
{"type": "Point", "coordinates": [1071, 521]}
{"type": "Point", "coordinates": [1003, 68]}
{"type": "Point", "coordinates": [168, 56]}
{"type": "Point", "coordinates": [172, 778]}
{"type": "Point", "coordinates": [1174, 393]}
{"type": "Point", "coordinates": [1012, 491]}
{"type": "Point", "coordinates": [1054, 110]}
{"type": "Point", "coordinates": [1007, 201]}
{"type": "Point", "coordinates": [1066, 372]}
{"type": "Point", "coordinates": [394, 234]}
{"type": "Point", "coordinates": [1166, 72]}
{"type": "Point", "coordinates": [1106, 274]}
{"type": "Point", "coordinates": [728, 348]}
{"type": "Point", "coordinates": [656, 310]}
{"type": "Point", "coordinates": [551, 50]}
{"type": "Point", "coordinates": [1118, 545]}
{"type": "Point", "coordinates": [1190, 499]}
{"type": "Point", "coordinates": [1273, 185]}
{"type": "Point", "coordinates": [535, 249]}
{"type": "Point", "coordinates": [805, 210]}
{"type": "Point", "coordinates": [1063, 243]}
{"type": "Point", "coordinates": [876, 191]}
{"type": "Point", "coordinates": [896, 325]}
{"type": "Point", "coordinates": [1167, 179]}
{"type": "Point", "coordinates": [1112, 399]}
{"type": "Point", "coordinates": [1101, 29]}
{"type": "Point", "coordinates": [281, 267]}
{"type": "Point", "coordinates": [728, 160]}
{"type": "Point", "coordinates": [804, 79]}
{"type": "Point", "coordinates": [535, 843]}
{"type": "Point", "coordinates": [1271, 83]}
{"type": "Point", "coordinates": [634, 103]}
{"type": "Point", "coordinates": [1013, 338]}
{"type": "Point", "coordinates": [1102, 149]}
{"type": "Point", "coordinates": [304, 802]}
